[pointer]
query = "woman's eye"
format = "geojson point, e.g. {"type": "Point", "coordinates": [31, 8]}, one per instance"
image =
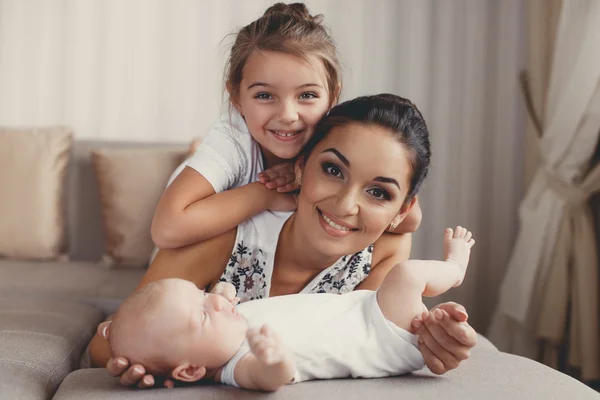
{"type": "Point", "coordinates": [379, 194]}
{"type": "Point", "coordinates": [332, 170]}
{"type": "Point", "coordinates": [263, 96]}
{"type": "Point", "coordinates": [308, 96]}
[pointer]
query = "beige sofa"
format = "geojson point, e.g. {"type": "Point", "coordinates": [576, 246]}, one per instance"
{"type": "Point", "coordinates": [49, 311]}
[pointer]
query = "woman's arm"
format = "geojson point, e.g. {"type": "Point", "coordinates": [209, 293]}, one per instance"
{"type": "Point", "coordinates": [190, 211]}
{"type": "Point", "coordinates": [388, 251]}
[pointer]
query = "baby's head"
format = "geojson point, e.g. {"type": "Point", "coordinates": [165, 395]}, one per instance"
{"type": "Point", "coordinates": [176, 330]}
{"type": "Point", "coordinates": [282, 75]}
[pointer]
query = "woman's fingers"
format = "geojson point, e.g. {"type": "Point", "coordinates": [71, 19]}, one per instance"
{"type": "Point", "coordinates": [116, 366]}
{"type": "Point", "coordinates": [440, 335]}
{"type": "Point", "coordinates": [456, 326]}
{"type": "Point", "coordinates": [434, 364]}
{"type": "Point", "coordinates": [133, 375]}
{"type": "Point", "coordinates": [439, 349]}
{"type": "Point", "coordinates": [146, 382]}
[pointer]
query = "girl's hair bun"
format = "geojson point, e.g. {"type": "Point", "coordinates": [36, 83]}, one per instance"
{"type": "Point", "coordinates": [295, 10]}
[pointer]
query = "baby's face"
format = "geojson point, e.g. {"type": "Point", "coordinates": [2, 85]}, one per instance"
{"type": "Point", "coordinates": [214, 331]}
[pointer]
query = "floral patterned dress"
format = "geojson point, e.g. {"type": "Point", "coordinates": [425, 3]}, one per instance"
{"type": "Point", "coordinates": [250, 265]}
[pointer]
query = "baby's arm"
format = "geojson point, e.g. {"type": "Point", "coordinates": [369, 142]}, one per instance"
{"type": "Point", "coordinates": [268, 366]}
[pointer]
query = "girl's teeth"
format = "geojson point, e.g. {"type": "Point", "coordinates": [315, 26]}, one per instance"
{"type": "Point", "coordinates": [333, 224]}
{"type": "Point", "coordinates": [285, 134]}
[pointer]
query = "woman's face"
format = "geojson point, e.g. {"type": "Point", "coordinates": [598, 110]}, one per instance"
{"type": "Point", "coordinates": [354, 184]}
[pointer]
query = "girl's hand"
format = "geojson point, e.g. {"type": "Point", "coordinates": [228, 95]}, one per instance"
{"type": "Point", "coordinates": [273, 200]}
{"type": "Point", "coordinates": [280, 177]}
{"type": "Point", "coordinates": [445, 337]}
{"type": "Point", "coordinates": [226, 290]}
{"type": "Point", "coordinates": [134, 375]}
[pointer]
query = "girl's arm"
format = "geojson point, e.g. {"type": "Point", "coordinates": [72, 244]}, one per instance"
{"type": "Point", "coordinates": [190, 211]}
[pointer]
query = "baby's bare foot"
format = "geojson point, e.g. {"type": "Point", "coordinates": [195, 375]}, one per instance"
{"type": "Point", "coordinates": [457, 248]}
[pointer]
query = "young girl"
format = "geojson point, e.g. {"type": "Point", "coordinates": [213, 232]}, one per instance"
{"type": "Point", "coordinates": [283, 75]}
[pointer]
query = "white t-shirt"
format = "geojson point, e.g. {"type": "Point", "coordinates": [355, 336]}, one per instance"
{"type": "Point", "coordinates": [228, 156]}
{"type": "Point", "coordinates": [332, 336]}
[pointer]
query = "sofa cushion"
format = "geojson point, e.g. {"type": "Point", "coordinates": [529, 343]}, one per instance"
{"type": "Point", "coordinates": [130, 183]}
{"type": "Point", "coordinates": [40, 343]}
{"type": "Point", "coordinates": [488, 374]}
{"type": "Point", "coordinates": [33, 165]}
{"type": "Point", "coordinates": [91, 283]}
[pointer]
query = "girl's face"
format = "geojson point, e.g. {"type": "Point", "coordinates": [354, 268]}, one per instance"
{"type": "Point", "coordinates": [282, 97]}
{"type": "Point", "coordinates": [354, 184]}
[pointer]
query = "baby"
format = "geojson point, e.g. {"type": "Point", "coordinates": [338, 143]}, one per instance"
{"type": "Point", "coordinates": [178, 331]}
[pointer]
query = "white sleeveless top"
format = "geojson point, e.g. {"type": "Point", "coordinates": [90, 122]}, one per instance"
{"type": "Point", "coordinates": [250, 267]}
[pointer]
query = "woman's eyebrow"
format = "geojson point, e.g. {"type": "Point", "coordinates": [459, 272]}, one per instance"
{"type": "Point", "coordinates": [387, 180]}
{"type": "Point", "coordinates": [339, 155]}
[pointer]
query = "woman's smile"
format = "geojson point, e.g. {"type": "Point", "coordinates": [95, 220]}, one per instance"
{"type": "Point", "coordinates": [334, 226]}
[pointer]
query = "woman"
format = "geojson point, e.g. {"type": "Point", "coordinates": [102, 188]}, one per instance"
{"type": "Point", "coordinates": [358, 176]}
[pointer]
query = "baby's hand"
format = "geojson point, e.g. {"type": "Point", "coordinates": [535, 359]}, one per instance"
{"type": "Point", "coordinates": [280, 177]}
{"type": "Point", "coordinates": [266, 345]}
{"type": "Point", "coordinates": [226, 290]}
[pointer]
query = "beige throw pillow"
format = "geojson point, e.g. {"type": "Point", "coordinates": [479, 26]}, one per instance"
{"type": "Point", "coordinates": [130, 183]}
{"type": "Point", "coordinates": [33, 164]}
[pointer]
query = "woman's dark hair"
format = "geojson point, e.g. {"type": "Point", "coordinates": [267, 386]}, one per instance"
{"type": "Point", "coordinates": [397, 115]}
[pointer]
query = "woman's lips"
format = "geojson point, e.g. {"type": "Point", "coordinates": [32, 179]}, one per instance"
{"type": "Point", "coordinates": [334, 226]}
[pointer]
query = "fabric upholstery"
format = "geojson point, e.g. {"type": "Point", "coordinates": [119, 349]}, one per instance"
{"type": "Point", "coordinates": [87, 282]}
{"type": "Point", "coordinates": [488, 374]}
{"type": "Point", "coordinates": [40, 343]}
{"type": "Point", "coordinates": [85, 227]}
{"type": "Point", "coordinates": [33, 166]}
{"type": "Point", "coordinates": [130, 183]}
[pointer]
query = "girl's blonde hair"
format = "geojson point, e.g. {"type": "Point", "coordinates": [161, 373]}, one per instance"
{"type": "Point", "coordinates": [290, 29]}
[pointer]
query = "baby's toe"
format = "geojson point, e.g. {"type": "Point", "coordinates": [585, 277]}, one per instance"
{"type": "Point", "coordinates": [448, 232]}
{"type": "Point", "coordinates": [468, 236]}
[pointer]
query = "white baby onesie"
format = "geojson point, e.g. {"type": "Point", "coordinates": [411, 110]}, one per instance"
{"type": "Point", "coordinates": [332, 336]}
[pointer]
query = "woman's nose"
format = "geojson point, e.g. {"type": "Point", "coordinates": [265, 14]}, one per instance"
{"type": "Point", "coordinates": [347, 202]}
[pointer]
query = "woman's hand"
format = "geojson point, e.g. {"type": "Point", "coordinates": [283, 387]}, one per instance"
{"type": "Point", "coordinates": [134, 375]}
{"type": "Point", "coordinates": [445, 337]}
{"type": "Point", "coordinates": [281, 177]}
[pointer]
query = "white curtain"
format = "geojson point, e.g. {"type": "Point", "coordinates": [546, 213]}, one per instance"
{"type": "Point", "coordinates": [151, 70]}
{"type": "Point", "coordinates": [549, 296]}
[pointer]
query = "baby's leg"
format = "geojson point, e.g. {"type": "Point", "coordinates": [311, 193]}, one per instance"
{"type": "Point", "coordinates": [399, 296]}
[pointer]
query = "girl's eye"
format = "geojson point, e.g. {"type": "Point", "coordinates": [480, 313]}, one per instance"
{"type": "Point", "coordinates": [308, 96]}
{"type": "Point", "coordinates": [263, 96]}
{"type": "Point", "coordinates": [332, 169]}
{"type": "Point", "coordinates": [379, 194]}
